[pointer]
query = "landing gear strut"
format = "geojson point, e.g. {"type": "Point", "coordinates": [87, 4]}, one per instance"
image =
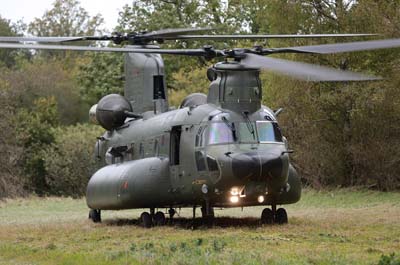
{"type": "Point", "coordinates": [270, 216]}
{"type": "Point", "coordinates": [171, 213]}
{"type": "Point", "coordinates": [207, 212]}
{"type": "Point", "coordinates": [95, 215]}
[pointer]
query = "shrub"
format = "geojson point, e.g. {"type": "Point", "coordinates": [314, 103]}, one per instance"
{"type": "Point", "coordinates": [69, 161]}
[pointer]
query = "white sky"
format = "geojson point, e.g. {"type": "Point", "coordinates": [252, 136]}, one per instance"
{"type": "Point", "coordinates": [29, 9]}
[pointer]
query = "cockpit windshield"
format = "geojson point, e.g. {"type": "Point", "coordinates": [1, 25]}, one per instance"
{"type": "Point", "coordinates": [243, 132]}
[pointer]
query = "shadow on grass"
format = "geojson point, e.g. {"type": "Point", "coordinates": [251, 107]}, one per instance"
{"type": "Point", "coordinates": [187, 223]}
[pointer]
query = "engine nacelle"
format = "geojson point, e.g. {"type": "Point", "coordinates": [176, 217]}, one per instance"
{"type": "Point", "coordinates": [111, 111]}
{"type": "Point", "coordinates": [92, 114]}
{"type": "Point", "coordinates": [194, 99]}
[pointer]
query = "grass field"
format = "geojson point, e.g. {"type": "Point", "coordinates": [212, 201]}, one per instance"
{"type": "Point", "coordinates": [330, 227]}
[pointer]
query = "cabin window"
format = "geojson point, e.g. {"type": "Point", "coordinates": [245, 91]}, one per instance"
{"type": "Point", "coordinates": [212, 164]}
{"type": "Point", "coordinates": [175, 145]}
{"type": "Point", "coordinates": [156, 148]}
{"type": "Point", "coordinates": [200, 163]}
{"type": "Point", "coordinates": [141, 150]}
{"type": "Point", "coordinates": [159, 90]}
{"type": "Point", "coordinates": [200, 136]}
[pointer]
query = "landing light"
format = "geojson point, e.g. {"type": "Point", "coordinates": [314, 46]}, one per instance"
{"type": "Point", "coordinates": [235, 191]}
{"type": "Point", "coordinates": [260, 199]}
{"type": "Point", "coordinates": [234, 199]}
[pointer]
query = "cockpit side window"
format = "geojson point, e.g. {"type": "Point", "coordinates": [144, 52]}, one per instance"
{"type": "Point", "coordinates": [219, 133]}
{"type": "Point", "coordinates": [268, 132]}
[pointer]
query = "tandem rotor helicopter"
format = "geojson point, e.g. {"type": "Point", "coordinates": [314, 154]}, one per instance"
{"type": "Point", "coordinates": [224, 149]}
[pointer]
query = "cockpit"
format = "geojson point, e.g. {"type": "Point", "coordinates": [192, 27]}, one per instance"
{"type": "Point", "coordinates": [249, 132]}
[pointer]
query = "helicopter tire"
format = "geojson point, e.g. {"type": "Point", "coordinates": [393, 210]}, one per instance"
{"type": "Point", "coordinates": [145, 220]}
{"type": "Point", "coordinates": [281, 216]}
{"type": "Point", "coordinates": [159, 219]}
{"type": "Point", "coordinates": [267, 216]}
{"type": "Point", "coordinates": [95, 215]}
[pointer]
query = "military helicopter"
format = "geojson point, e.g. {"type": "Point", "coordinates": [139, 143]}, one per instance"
{"type": "Point", "coordinates": [224, 149]}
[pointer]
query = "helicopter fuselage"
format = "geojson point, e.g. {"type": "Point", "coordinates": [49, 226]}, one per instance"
{"type": "Point", "coordinates": [193, 155]}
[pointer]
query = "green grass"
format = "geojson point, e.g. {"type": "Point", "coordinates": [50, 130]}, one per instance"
{"type": "Point", "coordinates": [329, 227]}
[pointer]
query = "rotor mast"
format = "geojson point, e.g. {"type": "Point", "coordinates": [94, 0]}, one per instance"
{"type": "Point", "coordinates": [235, 87]}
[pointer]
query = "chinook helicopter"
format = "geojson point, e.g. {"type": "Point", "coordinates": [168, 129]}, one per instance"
{"type": "Point", "coordinates": [224, 149]}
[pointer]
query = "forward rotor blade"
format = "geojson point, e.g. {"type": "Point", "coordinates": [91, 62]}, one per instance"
{"type": "Point", "coordinates": [252, 36]}
{"type": "Point", "coordinates": [303, 71]}
{"type": "Point", "coordinates": [339, 47]}
{"type": "Point", "coordinates": [187, 52]}
{"type": "Point", "coordinates": [172, 34]}
{"type": "Point", "coordinates": [160, 34]}
{"type": "Point", "coordinates": [41, 39]}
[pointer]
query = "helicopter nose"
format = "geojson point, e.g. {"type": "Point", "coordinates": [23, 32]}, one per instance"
{"type": "Point", "coordinates": [257, 166]}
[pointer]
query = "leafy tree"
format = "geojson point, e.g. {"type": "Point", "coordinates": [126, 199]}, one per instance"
{"type": "Point", "coordinates": [33, 135]}
{"type": "Point", "coordinates": [10, 175]}
{"type": "Point", "coordinates": [10, 57]}
{"type": "Point", "coordinates": [41, 78]}
{"type": "Point", "coordinates": [340, 128]}
{"type": "Point", "coordinates": [66, 18]}
{"type": "Point", "coordinates": [186, 83]}
{"type": "Point", "coordinates": [100, 74]}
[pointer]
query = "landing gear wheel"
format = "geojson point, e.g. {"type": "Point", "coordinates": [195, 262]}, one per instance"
{"type": "Point", "coordinates": [95, 215]}
{"type": "Point", "coordinates": [145, 220]}
{"type": "Point", "coordinates": [281, 216]}
{"type": "Point", "coordinates": [267, 216]}
{"type": "Point", "coordinates": [159, 219]}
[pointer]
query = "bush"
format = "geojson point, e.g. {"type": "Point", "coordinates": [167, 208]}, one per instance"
{"type": "Point", "coordinates": [69, 161]}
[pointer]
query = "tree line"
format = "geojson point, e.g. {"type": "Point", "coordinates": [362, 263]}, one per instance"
{"type": "Point", "coordinates": [343, 134]}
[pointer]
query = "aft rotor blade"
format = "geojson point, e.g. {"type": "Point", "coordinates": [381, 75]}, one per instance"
{"type": "Point", "coordinates": [268, 36]}
{"type": "Point", "coordinates": [339, 47]}
{"type": "Point", "coordinates": [188, 52]}
{"type": "Point", "coordinates": [171, 33]}
{"type": "Point", "coordinates": [303, 71]}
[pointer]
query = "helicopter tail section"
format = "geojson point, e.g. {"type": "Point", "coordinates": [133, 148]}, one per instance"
{"type": "Point", "coordinates": [145, 86]}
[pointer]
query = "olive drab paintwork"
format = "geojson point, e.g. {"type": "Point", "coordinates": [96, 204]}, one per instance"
{"type": "Point", "coordinates": [196, 154]}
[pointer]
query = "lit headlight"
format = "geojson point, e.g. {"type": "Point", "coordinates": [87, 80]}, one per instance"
{"type": "Point", "coordinates": [234, 199]}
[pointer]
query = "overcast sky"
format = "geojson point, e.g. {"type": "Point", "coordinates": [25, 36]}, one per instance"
{"type": "Point", "coordinates": [29, 9]}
